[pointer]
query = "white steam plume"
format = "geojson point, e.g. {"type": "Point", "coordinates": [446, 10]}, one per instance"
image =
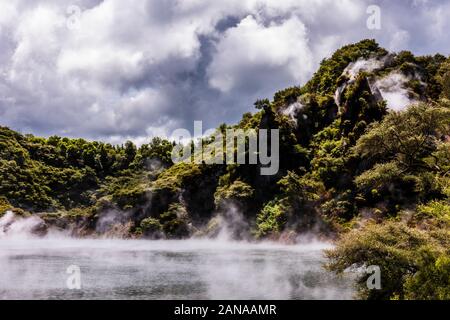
{"type": "Point", "coordinates": [13, 226]}
{"type": "Point", "coordinates": [360, 65]}
{"type": "Point", "coordinates": [393, 90]}
{"type": "Point", "coordinates": [292, 110]}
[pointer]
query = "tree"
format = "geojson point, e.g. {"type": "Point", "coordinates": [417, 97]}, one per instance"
{"type": "Point", "coordinates": [408, 259]}
{"type": "Point", "coordinates": [130, 151]}
{"type": "Point", "coordinates": [406, 137]}
{"type": "Point", "coordinates": [443, 78]}
{"type": "Point", "coordinates": [262, 104]}
{"type": "Point", "coordinates": [158, 149]}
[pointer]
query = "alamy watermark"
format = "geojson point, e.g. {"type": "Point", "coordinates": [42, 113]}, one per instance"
{"type": "Point", "coordinates": [73, 282]}
{"type": "Point", "coordinates": [73, 18]}
{"type": "Point", "coordinates": [374, 20]}
{"type": "Point", "coordinates": [374, 280]}
{"type": "Point", "coordinates": [230, 146]}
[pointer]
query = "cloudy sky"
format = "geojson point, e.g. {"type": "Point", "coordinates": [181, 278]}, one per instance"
{"type": "Point", "coordinates": [116, 70]}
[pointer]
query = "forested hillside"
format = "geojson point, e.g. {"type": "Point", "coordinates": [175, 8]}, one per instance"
{"type": "Point", "coordinates": [364, 158]}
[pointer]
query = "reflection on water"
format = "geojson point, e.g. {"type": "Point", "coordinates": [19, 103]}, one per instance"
{"type": "Point", "coordinates": [188, 269]}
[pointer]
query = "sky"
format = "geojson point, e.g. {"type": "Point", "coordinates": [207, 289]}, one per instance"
{"type": "Point", "coordinates": [117, 70]}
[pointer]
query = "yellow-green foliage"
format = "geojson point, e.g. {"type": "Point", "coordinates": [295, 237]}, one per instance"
{"type": "Point", "coordinates": [407, 258]}
{"type": "Point", "coordinates": [325, 79]}
{"type": "Point", "coordinates": [441, 157]}
{"type": "Point", "coordinates": [432, 281]}
{"type": "Point", "coordinates": [78, 212]}
{"type": "Point", "coordinates": [340, 209]}
{"type": "Point", "coordinates": [271, 219]}
{"type": "Point", "coordinates": [4, 205]}
{"type": "Point", "coordinates": [435, 210]}
{"type": "Point", "coordinates": [158, 149]}
{"type": "Point", "coordinates": [127, 191]}
{"type": "Point", "coordinates": [238, 190]}
{"type": "Point", "coordinates": [250, 121]}
{"type": "Point", "coordinates": [151, 225]}
{"type": "Point", "coordinates": [444, 184]}
{"type": "Point", "coordinates": [380, 177]}
{"type": "Point", "coordinates": [328, 163]}
{"type": "Point", "coordinates": [175, 221]}
{"type": "Point", "coordinates": [62, 173]}
{"type": "Point", "coordinates": [174, 177]}
{"type": "Point", "coordinates": [406, 137]}
{"type": "Point", "coordinates": [443, 77]}
{"type": "Point", "coordinates": [301, 189]}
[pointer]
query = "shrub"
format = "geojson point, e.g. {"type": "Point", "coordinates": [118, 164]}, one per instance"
{"type": "Point", "coordinates": [406, 257]}
{"type": "Point", "coordinates": [174, 177]}
{"type": "Point", "coordinates": [381, 179]}
{"type": "Point", "coordinates": [4, 205]}
{"type": "Point", "coordinates": [435, 210]}
{"type": "Point", "coordinates": [175, 221]}
{"type": "Point", "coordinates": [432, 280]}
{"type": "Point", "coordinates": [150, 225]}
{"type": "Point", "coordinates": [271, 219]}
{"type": "Point", "coordinates": [238, 190]}
{"type": "Point", "coordinates": [127, 191]}
{"type": "Point", "coordinates": [407, 137]}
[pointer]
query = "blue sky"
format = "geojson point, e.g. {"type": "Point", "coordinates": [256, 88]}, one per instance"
{"type": "Point", "coordinates": [115, 70]}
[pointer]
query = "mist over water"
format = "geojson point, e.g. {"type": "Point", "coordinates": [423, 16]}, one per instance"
{"type": "Point", "coordinates": [182, 269]}
{"type": "Point", "coordinates": [34, 266]}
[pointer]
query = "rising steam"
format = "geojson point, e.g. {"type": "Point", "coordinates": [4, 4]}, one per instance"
{"type": "Point", "coordinates": [187, 269]}
{"type": "Point", "coordinates": [393, 90]}
{"type": "Point", "coordinates": [214, 267]}
{"type": "Point", "coordinates": [14, 226]}
{"type": "Point", "coordinates": [292, 111]}
{"type": "Point", "coordinates": [355, 68]}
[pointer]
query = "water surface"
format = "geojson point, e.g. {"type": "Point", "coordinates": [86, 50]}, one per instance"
{"type": "Point", "coordinates": [185, 269]}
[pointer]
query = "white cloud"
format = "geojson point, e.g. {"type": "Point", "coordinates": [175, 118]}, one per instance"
{"type": "Point", "coordinates": [399, 41]}
{"type": "Point", "coordinates": [250, 52]}
{"type": "Point", "coordinates": [439, 22]}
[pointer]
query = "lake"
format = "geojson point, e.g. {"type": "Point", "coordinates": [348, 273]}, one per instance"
{"type": "Point", "coordinates": [32, 268]}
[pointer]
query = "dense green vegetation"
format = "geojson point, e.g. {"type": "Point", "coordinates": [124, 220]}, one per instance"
{"type": "Point", "coordinates": [378, 180]}
{"type": "Point", "coordinates": [414, 263]}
